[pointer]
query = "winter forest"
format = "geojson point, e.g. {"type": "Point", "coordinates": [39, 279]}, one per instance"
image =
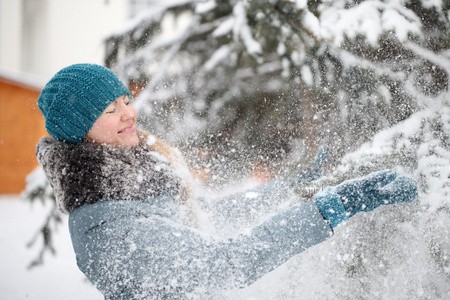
{"type": "Point", "coordinates": [250, 90]}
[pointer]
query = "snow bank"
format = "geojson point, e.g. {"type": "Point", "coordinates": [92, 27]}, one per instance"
{"type": "Point", "coordinates": [58, 278]}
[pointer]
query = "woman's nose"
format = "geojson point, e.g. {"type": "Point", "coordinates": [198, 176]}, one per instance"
{"type": "Point", "coordinates": [128, 112]}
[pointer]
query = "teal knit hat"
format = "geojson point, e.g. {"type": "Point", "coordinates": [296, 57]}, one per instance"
{"type": "Point", "coordinates": [75, 97]}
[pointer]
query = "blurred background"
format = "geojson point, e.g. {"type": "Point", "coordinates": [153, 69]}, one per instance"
{"type": "Point", "coordinates": [248, 91]}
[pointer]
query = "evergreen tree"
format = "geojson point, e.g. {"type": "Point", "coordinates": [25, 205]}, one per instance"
{"type": "Point", "coordinates": [257, 76]}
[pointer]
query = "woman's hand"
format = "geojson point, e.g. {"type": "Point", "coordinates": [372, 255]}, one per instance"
{"type": "Point", "coordinates": [379, 188]}
{"type": "Point", "coordinates": [339, 203]}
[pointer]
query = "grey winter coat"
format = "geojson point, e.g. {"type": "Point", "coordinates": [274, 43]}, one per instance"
{"type": "Point", "coordinates": [137, 244]}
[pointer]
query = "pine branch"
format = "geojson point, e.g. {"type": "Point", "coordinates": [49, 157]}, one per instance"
{"type": "Point", "coordinates": [46, 232]}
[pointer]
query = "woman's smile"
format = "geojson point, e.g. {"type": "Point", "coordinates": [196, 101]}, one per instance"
{"type": "Point", "coordinates": [128, 129]}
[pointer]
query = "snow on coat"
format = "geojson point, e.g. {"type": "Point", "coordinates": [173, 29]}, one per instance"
{"type": "Point", "coordinates": [130, 233]}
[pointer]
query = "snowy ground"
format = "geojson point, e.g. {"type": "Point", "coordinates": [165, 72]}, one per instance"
{"type": "Point", "coordinates": [58, 278]}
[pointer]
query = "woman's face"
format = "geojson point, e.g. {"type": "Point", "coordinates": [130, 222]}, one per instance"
{"type": "Point", "coordinates": [116, 126]}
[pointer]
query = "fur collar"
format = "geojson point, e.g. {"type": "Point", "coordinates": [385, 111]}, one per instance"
{"type": "Point", "coordinates": [86, 173]}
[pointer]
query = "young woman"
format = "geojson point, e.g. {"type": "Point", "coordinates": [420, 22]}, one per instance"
{"type": "Point", "coordinates": [132, 216]}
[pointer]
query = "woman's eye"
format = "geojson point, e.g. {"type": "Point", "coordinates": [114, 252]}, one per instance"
{"type": "Point", "coordinates": [110, 112]}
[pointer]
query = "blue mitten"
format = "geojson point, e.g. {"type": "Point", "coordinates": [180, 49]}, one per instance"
{"type": "Point", "coordinates": [339, 203]}
{"type": "Point", "coordinates": [310, 174]}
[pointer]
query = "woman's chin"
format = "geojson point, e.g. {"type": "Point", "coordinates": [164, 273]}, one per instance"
{"type": "Point", "coordinates": [130, 140]}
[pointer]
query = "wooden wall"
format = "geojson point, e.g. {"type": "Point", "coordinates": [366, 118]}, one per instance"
{"type": "Point", "coordinates": [21, 126]}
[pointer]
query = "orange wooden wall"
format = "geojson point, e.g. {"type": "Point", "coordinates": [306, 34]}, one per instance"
{"type": "Point", "coordinates": [21, 126]}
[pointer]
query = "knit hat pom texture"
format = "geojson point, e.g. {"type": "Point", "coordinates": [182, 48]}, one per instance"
{"type": "Point", "coordinates": [75, 97]}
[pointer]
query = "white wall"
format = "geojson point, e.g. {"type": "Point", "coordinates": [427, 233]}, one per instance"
{"type": "Point", "coordinates": [10, 33]}
{"type": "Point", "coordinates": [42, 36]}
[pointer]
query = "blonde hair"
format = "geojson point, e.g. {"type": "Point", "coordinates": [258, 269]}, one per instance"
{"type": "Point", "coordinates": [178, 161]}
{"type": "Point", "coordinates": [175, 158]}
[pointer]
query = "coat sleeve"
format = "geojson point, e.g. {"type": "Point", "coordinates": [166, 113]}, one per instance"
{"type": "Point", "coordinates": [127, 251]}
